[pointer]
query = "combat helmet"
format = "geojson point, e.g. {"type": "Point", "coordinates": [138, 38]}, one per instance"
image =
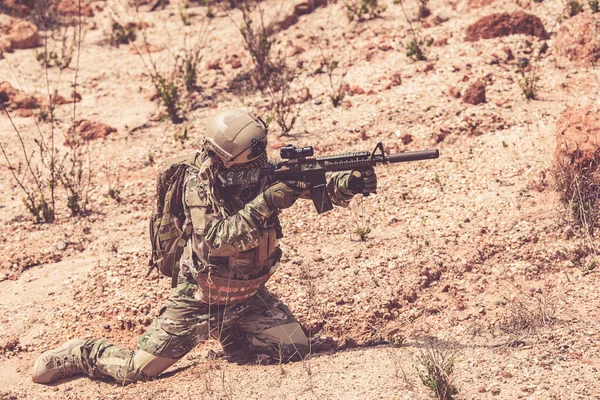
{"type": "Point", "coordinates": [237, 138]}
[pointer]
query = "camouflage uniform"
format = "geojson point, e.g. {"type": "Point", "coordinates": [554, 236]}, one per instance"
{"type": "Point", "coordinates": [258, 325]}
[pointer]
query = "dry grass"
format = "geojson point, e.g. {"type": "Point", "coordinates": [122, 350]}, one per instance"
{"type": "Point", "coordinates": [526, 314]}
{"type": "Point", "coordinates": [579, 187]}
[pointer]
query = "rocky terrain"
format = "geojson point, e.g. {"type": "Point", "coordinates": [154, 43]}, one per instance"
{"type": "Point", "coordinates": [476, 256]}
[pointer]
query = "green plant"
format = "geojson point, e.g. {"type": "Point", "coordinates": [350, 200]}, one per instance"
{"type": "Point", "coordinates": [529, 85]}
{"type": "Point", "coordinates": [594, 5]}
{"type": "Point", "coordinates": [59, 41]}
{"type": "Point", "coordinates": [258, 41]}
{"type": "Point", "coordinates": [438, 374]}
{"type": "Point", "coordinates": [363, 232]}
{"type": "Point", "coordinates": [574, 8]}
{"type": "Point", "coordinates": [168, 91]}
{"type": "Point", "coordinates": [42, 169]}
{"type": "Point", "coordinates": [415, 48]}
{"type": "Point", "coordinates": [122, 34]}
{"type": "Point", "coordinates": [363, 9]}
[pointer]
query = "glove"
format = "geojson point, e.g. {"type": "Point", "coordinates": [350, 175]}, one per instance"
{"type": "Point", "coordinates": [284, 194]}
{"type": "Point", "coordinates": [364, 182]}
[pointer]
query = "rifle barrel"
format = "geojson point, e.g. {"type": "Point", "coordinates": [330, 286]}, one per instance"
{"type": "Point", "coordinates": [413, 156]}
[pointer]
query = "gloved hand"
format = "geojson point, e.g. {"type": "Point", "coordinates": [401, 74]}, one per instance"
{"type": "Point", "coordinates": [284, 194]}
{"type": "Point", "coordinates": [363, 182]}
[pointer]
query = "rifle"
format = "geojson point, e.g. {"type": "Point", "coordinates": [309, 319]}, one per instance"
{"type": "Point", "coordinates": [296, 165]}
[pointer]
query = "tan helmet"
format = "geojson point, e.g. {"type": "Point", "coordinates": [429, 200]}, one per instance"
{"type": "Point", "coordinates": [236, 137]}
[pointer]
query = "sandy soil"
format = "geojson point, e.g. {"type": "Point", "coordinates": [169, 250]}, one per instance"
{"type": "Point", "coordinates": [471, 254]}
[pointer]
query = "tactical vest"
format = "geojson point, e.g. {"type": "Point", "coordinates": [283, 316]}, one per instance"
{"type": "Point", "coordinates": [229, 276]}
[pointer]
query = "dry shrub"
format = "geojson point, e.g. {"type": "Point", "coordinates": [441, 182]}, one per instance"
{"type": "Point", "coordinates": [527, 314]}
{"type": "Point", "coordinates": [579, 187]}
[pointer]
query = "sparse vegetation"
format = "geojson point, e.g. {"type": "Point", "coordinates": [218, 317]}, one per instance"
{"type": "Point", "coordinates": [416, 47]}
{"type": "Point", "coordinates": [122, 34]}
{"type": "Point", "coordinates": [438, 374]}
{"type": "Point", "coordinates": [574, 8]}
{"type": "Point", "coordinates": [361, 10]}
{"type": "Point", "coordinates": [181, 78]}
{"type": "Point", "coordinates": [258, 41]}
{"type": "Point", "coordinates": [271, 73]}
{"type": "Point", "coordinates": [43, 169]}
{"type": "Point", "coordinates": [594, 5]}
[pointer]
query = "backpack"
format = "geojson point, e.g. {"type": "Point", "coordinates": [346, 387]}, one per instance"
{"type": "Point", "coordinates": [169, 230]}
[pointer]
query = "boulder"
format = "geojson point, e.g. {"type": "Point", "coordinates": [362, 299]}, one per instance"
{"type": "Point", "coordinates": [20, 33]}
{"type": "Point", "coordinates": [578, 40]}
{"type": "Point", "coordinates": [578, 135]}
{"type": "Point", "coordinates": [17, 7]}
{"type": "Point", "coordinates": [13, 99]}
{"type": "Point", "coordinates": [504, 24]}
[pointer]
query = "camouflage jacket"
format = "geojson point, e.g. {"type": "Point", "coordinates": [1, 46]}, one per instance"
{"type": "Point", "coordinates": [230, 229]}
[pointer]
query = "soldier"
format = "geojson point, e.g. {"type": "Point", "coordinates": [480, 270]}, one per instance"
{"type": "Point", "coordinates": [231, 253]}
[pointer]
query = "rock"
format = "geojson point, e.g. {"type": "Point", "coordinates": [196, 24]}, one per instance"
{"type": "Point", "coordinates": [481, 389]}
{"type": "Point", "coordinates": [578, 136]}
{"type": "Point", "coordinates": [454, 92]}
{"type": "Point", "coordinates": [70, 8]}
{"type": "Point", "coordinates": [60, 100]}
{"type": "Point", "coordinates": [577, 41]}
{"type": "Point", "coordinates": [90, 130]}
{"type": "Point", "coordinates": [506, 374]}
{"type": "Point", "coordinates": [20, 33]}
{"type": "Point", "coordinates": [14, 99]}
{"type": "Point", "coordinates": [214, 64]}
{"type": "Point", "coordinates": [504, 24]}
{"type": "Point", "coordinates": [16, 7]}
{"type": "Point", "coordinates": [5, 45]}
{"type": "Point", "coordinates": [475, 94]}
{"type": "Point", "coordinates": [466, 5]}
{"type": "Point", "coordinates": [443, 41]}
{"type": "Point", "coordinates": [235, 62]}
{"type": "Point", "coordinates": [61, 245]}
{"type": "Point", "coordinates": [294, 50]}
{"type": "Point", "coordinates": [318, 102]}
{"type": "Point", "coordinates": [406, 138]}
{"type": "Point", "coordinates": [509, 54]}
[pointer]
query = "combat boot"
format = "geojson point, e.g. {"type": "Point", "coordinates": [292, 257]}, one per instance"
{"type": "Point", "coordinates": [59, 363]}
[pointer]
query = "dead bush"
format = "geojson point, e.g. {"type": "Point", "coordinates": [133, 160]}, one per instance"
{"type": "Point", "coordinates": [579, 187]}
{"type": "Point", "coordinates": [526, 314]}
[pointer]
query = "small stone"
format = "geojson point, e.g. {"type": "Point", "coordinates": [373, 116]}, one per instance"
{"type": "Point", "coordinates": [506, 374]}
{"type": "Point", "coordinates": [318, 102]}
{"type": "Point", "coordinates": [107, 327]}
{"type": "Point", "coordinates": [495, 391]}
{"type": "Point", "coordinates": [61, 245]}
{"type": "Point", "coordinates": [481, 389]}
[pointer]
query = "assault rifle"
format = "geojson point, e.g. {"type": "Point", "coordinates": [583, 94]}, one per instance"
{"type": "Point", "coordinates": [296, 165]}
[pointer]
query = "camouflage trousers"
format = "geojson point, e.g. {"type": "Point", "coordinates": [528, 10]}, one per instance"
{"type": "Point", "coordinates": [262, 326]}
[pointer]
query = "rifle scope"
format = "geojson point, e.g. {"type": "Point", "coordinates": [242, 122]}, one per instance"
{"type": "Point", "coordinates": [291, 151]}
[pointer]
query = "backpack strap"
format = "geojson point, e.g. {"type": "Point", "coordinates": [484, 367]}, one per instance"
{"type": "Point", "coordinates": [187, 232]}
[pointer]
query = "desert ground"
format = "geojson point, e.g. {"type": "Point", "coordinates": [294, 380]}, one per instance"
{"type": "Point", "coordinates": [472, 258]}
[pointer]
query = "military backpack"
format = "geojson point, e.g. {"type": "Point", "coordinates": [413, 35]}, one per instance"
{"type": "Point", "coordinates": [169, 230]}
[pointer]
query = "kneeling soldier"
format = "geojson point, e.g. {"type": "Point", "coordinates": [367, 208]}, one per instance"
{"type": "Point", "coordinates": [231, 253]}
